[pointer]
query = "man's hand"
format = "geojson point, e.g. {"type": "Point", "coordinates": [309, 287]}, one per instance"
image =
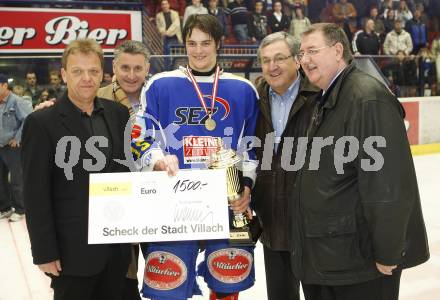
{"type": "Point", "coordinates": [169, 163]}
{"type": "Point", "coordinates": [386, 270]}
{"type": "Point", "coordinates": [13, 143]}
{"type": "Point", "coordinates": [45, 104]}
{"type": "Point", "coordinates": [242, 204]}
{"type": "Point", "coordinates": [54, 267]}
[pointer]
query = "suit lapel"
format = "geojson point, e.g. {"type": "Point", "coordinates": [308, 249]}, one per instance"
{"type": "Point", "coordinates": [296, 106]}
{"type": "Point", "coordinates": [305, 89]}
{"type": "Point", "coordinates": [265, 105]}
{"type": "Point", "coordinates": [113, 129]}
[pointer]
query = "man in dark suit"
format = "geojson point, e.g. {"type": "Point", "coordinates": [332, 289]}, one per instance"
{"type": "Point", "coordinates": [56, 199]}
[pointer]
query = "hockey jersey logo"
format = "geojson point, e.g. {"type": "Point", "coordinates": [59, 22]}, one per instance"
{"type": "Point", "coordinates": [231, 265]}
{"type": "Point", "coordinates": [197, 115]}
{"type": "Point", "coordinates": [164, 271]}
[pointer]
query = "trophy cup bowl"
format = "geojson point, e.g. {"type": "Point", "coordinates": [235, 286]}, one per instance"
{"type": "Point", "coordinates": [229, 160]}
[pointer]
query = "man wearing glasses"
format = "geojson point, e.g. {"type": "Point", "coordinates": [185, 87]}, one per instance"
{"type": "Point", "coordinates": [286, 103]}
{"type": "Point", "coordinates": [357, 229]}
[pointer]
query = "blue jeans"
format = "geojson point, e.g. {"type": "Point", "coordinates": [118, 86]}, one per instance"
{"type": "Point", "coordinates": [11, 193]}
{"type": "Point", "coordinates": [241, 32]}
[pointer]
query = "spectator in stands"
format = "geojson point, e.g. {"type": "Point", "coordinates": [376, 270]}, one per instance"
{"type": "Point", "coordinates": [220, 14]}
{"type": "Point", "coordinates": [13, 110]}
{"type": "Point", "coordinates": [195, 8]}
{"type": "Point", "coordinates": [294, 4]}
{"type": "Point", "coordinates": [423, 16]}
{"type": "Point", "coordinates": [344, 12]}
{"type": "Point", "coordinates": [168, 25]}
{"type": "Point", "coordinates": [403, 73]}
{"type": "Point", "coordinates": [427, 72]}
{"type": "Point", "coordinates": [396, 40]}
{"type": "Point", "coordinates": [403, 13]}
{"type": "Point", "coordinates": [277, 21]}
{"type": "Point", "coordinates": [345, 16]}
{"type": "Point", "coordinates": [56, 88]}
{"type": "Point", "coordinates": [239, 19]}
{"type": "Point", "coordinates": [18, 90]}
{"type": "Point", "coordinates": [418, 31]}
{"type": "Point", "coordinates": [32, 89]}
{"type": "Point", "coordinates": [299, 23]}
{"type": "Point", "coordinates": [388, 22]}
{"type": "Point", "coordinates": [436, 53]}
{"type": "Point", "coordinates": [106, 79]}
{"type": "Point", "coordinates": [386, 6]}
{"type": "Point", "coordinates": [44, 95]}
{"type": "Point", "coordinates": [326, 14]}
{"type": "Point", "coordinates": [379, 27]}
{"type": "Point", "coordinates": [154, 6]}
{"type": "Point", "coordinates": [257, 24]}
{"type": "Point", "coordinates": [367, 42]}
{"type": "Point", "coordinates": [267, 5]}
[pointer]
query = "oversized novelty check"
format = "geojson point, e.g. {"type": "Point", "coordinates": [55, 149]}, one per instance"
{"type": "Point", "coordinates": [151, 206]}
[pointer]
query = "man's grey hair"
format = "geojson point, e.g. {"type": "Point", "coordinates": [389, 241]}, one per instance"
{"type": "Point", "coordinates": [292, 43]}
{"type": "Point", "coordinates": [132, 47]}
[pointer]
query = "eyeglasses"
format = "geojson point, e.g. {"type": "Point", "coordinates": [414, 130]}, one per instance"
{"type": "Point", "coordinates": [311, 52]}
{"type": "Point", "coordinates": [277, 60]}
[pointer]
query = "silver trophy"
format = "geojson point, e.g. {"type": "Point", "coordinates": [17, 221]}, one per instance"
{"type": "Point", "coordinates": [229, 160]}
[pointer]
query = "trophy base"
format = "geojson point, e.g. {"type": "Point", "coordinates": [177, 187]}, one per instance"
{"type": "Point", "coordinates": [247, 235]}
{"type": "Point", "coordinates": [241, 236]}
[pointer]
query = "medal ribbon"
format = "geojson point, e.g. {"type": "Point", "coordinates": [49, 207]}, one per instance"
{"type": "Point", "coordinates": [199, 92]}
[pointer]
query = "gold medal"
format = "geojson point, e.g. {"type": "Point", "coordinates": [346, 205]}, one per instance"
{"type": "Point", "coordinates": [210, 124]}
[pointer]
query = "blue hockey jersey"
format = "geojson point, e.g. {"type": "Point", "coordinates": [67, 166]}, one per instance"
{"type": "Point", "coordinates": [172, 119]}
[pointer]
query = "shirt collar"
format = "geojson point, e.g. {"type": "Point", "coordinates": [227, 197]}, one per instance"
{"type": "Point", "coordinates": [333, 80]}
{"type": "Point", "coordinates": [292, 88]}
{"type": "Point", "coordinates": [98, 108]}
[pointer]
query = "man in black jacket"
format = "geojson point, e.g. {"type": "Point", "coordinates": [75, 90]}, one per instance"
{"type": "Point", "coordinates": [367, 42]}
{"type": "Point", "coordinates": [286, 103]}
{"type": "Point", "coordinates": [257, 23]}
{"type": "Point", "coordinates": [56, 180]}
{"type": "Point", "coordinates": [359, 220]}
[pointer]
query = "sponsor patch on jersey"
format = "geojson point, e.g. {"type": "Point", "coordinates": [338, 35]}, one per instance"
{"type": "Point", "coordinates": [139, 148]}
{"type": "Point", "coordinates": [230, 265]}
{"type": "Point", "coordinates": [136, 131]}
{"type": "Point", "coordinates": [164, 271]}
{"type": "Point", "coordinates": [198, 149]}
